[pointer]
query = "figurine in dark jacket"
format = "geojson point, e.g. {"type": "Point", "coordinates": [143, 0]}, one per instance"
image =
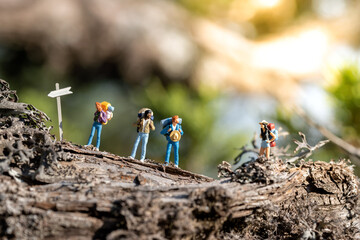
{"type": "Point", "coordinates": [267, 136]}
{"type": "Point", "coordinates": [144, 124]}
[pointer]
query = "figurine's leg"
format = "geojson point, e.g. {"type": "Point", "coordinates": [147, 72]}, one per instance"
{"type": "Point", "coordinates": [264, 146]}
{"type": "Point", "coordinates": [267, 151]}
{"type": "Point", "coordinates": [176, 153]}
{"type": "Point", "coordinates": [261, 151]}
{"type": "Point", "coordinates": [133, 153]}
{"type": "Point", "coordinates": [168, 151]}
{"type": "Point", "coordinates": [91, 134]}
{"type": "Point", "coordinates": [145, 138]}
{"type": "Point", "coordinates": [99, 128]}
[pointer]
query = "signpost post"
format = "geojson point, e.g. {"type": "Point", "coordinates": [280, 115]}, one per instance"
{"type": "Point", "coordinates": [58, 93]}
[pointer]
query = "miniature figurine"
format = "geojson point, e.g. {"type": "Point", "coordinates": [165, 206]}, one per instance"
{"type": "Point", "coordinates": [144, 125]}
{"type": "Point", "coordinates": [268, 137]}
{"type": "Point", "coordinates": [103, 114]}
{"type": "Point", "coordinates": [173, 131]}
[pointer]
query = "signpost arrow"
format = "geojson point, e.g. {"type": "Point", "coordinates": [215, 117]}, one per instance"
{"type": "Point", "coordinates": [58, 93]}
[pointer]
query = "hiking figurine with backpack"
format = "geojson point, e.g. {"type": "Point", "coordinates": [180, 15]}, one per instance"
{"type": "Point", "coordinates": [268, 136]}
{"type": "Point", "coordinates": [173, 131]}
{"type": "Point", "coordinates": [144, 124]}
{"type": "Point", "coordinates": [103, 114]}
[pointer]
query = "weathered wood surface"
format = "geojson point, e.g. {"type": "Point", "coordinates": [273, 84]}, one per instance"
{"type": "Point", "coordinates": [58, 190]}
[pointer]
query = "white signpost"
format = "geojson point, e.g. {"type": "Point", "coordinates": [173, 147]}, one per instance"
{"type": "Point", "coordinates": [58, 93]}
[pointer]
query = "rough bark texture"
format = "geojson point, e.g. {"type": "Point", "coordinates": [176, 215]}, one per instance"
{"type": "Point", "coordinates": [58, 190]}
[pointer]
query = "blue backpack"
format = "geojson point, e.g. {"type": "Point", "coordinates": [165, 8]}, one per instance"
{"type": "Point", "coordinates": [167, 121]}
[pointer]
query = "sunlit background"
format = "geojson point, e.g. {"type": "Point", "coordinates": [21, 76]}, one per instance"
{"type": "Point", "coordinates": [222, 66]}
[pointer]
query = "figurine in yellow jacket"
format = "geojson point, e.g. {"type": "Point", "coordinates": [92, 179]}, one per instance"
{"type": "Point", "coordinates": [144, 124]}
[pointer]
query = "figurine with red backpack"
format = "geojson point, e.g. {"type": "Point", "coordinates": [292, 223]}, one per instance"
{"type": "Point", "coordinates": [268, 136]}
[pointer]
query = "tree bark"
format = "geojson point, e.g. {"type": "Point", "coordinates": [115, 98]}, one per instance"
{"type": "Point", "coordinates": [59, 190]}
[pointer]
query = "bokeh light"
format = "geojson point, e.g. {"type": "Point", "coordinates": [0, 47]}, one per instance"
{"type": "Point", "coordinates": [267, 3]}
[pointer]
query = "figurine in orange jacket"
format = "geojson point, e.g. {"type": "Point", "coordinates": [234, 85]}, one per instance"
{"type": "Point", "coordinates": [103, 114]}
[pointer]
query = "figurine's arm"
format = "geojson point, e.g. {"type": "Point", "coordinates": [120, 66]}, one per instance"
{"type": "Point", "coordinates": [165, 130]}
{"type": "Point", "coordinates": [137, 124]}
{"type": "Point", "coordinates": [180, 130]}
{"type": "Point", "coordinates": [273, 137]}
{"type": "Point", "coordinates": [152, 127]}
{"type": "Point", "coordinates": [261, 130]}
{"type": "Point", "coordinates": [103, 117]}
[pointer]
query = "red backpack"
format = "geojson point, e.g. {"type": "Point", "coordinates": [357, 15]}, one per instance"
{"type": "Point", "coordinates": [272, 129]}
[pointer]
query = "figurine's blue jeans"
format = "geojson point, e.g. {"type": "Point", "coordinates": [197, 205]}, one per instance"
{"type": "Point", "coordinates": [144, 137]}
{"type": "Point", "coordinates": [176, 152]}
{"type": "Point", "coordinates": [96, 126]}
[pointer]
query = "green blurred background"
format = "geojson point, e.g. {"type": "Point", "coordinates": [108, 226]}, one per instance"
{"type": "Point", "coordinates": [221, 65]}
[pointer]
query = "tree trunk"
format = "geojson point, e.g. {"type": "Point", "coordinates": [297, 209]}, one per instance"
{"type": "Point", "coordinates": [58, 190]}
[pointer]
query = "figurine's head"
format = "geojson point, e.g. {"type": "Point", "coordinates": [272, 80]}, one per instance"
{"type": "Point", "coordinates": [148, 113]}
{"type": "Point", "coordinates": [98, 106]}
{"type": "Point", "coordinates": [175, 119]}
{"type": "Point", "coordinates": [263, 122]}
